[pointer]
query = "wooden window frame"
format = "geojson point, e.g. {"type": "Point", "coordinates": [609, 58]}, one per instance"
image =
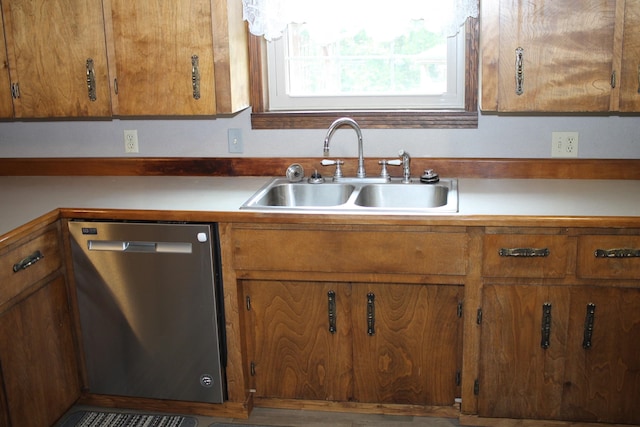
{"type": "Point", "coordinates": [262, 118]}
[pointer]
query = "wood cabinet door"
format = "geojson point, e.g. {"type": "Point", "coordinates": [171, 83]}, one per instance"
{"type": "Point", "coordinates": [519, 376]}
{"type": "Point", "coordinates": [164, 61]}
{"type": "Point", "coordinates": [550, 56]}
{"type": "Point", "coordinates": [588, 372]}
{"type": "Point", "coordinates": [406, 343]}
{"type": "Point", "coordinates": [293, 352]}
{"type": "Point", "coordinates": [630, 72]}
{"type": "Point", "coordinates": [6, 103]}
{"type": "Point", "coordinates": [602, 382]}
{"type": "Point", "coordinates": [37, 355]}
{"type": "Point", "coordinates": [56, 53]}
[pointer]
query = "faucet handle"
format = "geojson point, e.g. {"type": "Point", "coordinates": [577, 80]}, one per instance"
{"type": "Point", "coordinates": [338, 163]}
{"type": "Point", "coordinates": [383, 172]}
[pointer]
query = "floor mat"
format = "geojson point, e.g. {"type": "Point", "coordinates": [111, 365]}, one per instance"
{"type": "Point", "coordinates": [120, 419]}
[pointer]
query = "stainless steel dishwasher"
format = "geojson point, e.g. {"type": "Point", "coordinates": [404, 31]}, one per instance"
{"type": "Point", "coordinates": [150, 303]}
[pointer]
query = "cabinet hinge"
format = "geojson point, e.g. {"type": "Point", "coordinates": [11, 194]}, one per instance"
{"type": "Point", "coordinates": [248, 301]}
{"type": "Point", "coordinates": [460, 309]}
{"type": "Point", "coordinates": [253, 369]}
{"type": "Point", "coordinates": [458, 378]}
{"type": "Point", "coordinates": [479, 317]}
{"type": "Point", "coordinates": [15, 90]}
{"type": "Point", "coordinates": [476, 387]}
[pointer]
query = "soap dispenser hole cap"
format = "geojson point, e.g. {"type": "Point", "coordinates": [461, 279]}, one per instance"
{"type": "Point", "coordinates": [429, 177]}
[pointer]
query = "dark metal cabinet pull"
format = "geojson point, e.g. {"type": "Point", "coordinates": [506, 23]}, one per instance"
{"type": "Point", "coordinates": [546, 325]}
{"type": "Point", "coordinates": [91, 80]}
{"type": "Point", "coordinates": [371, 314]}
{"type": "Point", "coordinates": [195, 76]}
{"type": "Point", "coordinates": [524, 252]}
{"type": "Point", "coordinates": [588, 325]}
{"type": "Point", "coordinates": [332, 311]}
{"type": "Point", "coordinates": [28, 261]}
{"type": "Point", "coordinates": [617, 253]}
{"type": "Point", "coordinates": [519, 71]}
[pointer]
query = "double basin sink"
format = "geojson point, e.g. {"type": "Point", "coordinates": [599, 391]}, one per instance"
{"type": "Point", "coordinates": [357, 195]}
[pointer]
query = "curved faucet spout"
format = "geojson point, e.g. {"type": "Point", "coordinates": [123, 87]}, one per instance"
{"type": "Point", "coordinates": [349, 122]}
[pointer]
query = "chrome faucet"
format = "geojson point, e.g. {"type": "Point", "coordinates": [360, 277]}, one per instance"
{"type": "Point", "coordinates": [406, 166]}
{"type": "Point", "coordinates": [350, 122]}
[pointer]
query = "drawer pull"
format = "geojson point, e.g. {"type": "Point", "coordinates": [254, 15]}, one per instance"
{"type": "Point", "coordinates": [28, 261]}
{"type": "Point", "coordinates": [524, 252]}
{"type": "Point", "coordinates": [332, 311]}
{"type": "Point", "coordinates": [195, 76]}
{"type": "Point", "coordinates": [546, 325]}
{"type": "Point", "coordinates": [519, 71]}
{"type": "Point", "coordinates": [588, 326]}
{"type": "Point", "coordinates": [371, 314]}
{"type": "Point", "coordinates": [617, 253]}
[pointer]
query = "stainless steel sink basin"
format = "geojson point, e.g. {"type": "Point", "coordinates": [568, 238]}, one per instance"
{"type": "Point", "coordinates": [303, 194]}
{"type": "Point", "coordinates": [358, 195]}
{"type": "Point", "coordinates": [402, 196]}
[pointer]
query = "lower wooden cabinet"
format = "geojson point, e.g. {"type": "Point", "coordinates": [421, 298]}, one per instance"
{"type": "Point", "coordinates": [360, 342]}
{"type": "Point", "coordinates": [560, 352]}
{"type": "Point", "coordinates": [39, 367]}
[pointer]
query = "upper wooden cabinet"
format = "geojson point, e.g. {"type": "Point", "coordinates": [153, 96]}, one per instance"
{"type": "Point", "coordinates": [6, 104]}
{"type": "Point", "coordinates": [630, 69]}
{"type": "Point", "coordinates": [550, 55]}
{"type": "Point", "coordinates": [57, 58]}
{"type": "Point", "coordinates": [177, 58]}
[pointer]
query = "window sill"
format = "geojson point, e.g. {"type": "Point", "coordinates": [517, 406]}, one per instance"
{"type": "Point", "coordinates": [409, 119]}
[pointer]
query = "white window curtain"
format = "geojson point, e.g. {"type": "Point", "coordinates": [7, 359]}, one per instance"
{"type": "Point", "coordinates": [327, 18]}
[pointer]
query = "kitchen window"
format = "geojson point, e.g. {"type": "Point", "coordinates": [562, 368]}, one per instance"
{"type": "Point", "coordinates": [381, 74]}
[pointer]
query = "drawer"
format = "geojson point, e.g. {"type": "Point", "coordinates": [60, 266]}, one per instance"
{"type": "Point", "coordinates": [21, 267]}
{"type": "Point", "coordinates": [525, 255]}
{"type": "Point", "coordinates": [609, 257]}
{"type": "Point", "coordinates": [401, 252]}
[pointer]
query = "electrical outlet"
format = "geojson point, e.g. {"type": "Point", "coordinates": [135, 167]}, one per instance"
{"type": "Point", "coordinates": [564, 144]}
{"type": "Point", "coordinates": [131, 141]}
{"type": "Point", "coordinates": [235, 140]}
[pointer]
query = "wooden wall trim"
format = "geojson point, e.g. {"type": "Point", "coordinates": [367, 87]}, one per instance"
{"type": "Point", "coordinates": [276, 166]}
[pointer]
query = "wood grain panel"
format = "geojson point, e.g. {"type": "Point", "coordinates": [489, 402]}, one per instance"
{"type": "Point", "coordinates": [294, 353]}
{"type": "Point", "coordinates": [415, 352]}
{"type": "Point", "coordinates": [13, 283]}
{"type": "Point", "coordinates": [630, 72]}
{"type": "Point", "coordinates": [553, 265]}
{"type": "Point", "coordinates": [607, 268]}
{"type": "Point", "coordinates": [272, 166]}
{"type": "Point", "coordinates": [154, 42]}
{"type": "Point", "coordinates": [350, 251]}
{"type": "Point", "coordinates": [48, 44]}
{"type": "Point", "coordinates": [39, 367]}
{"type": "Point", "coordinates": [568, 55]}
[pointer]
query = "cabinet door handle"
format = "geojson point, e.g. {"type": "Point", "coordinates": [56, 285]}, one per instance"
{"type": "Point", "coordinates": [524, 252]}
{"type": "Point", "coordinates": [332, 311]}
{"type": "Point", "coordinates": [28, 261]}
{"type": "Point", "coordinates": [546, 325]}
{"type": "Point", "coordinates": [588, 325]}
{"type": "Point", "coordinates": [638, 78]}
{"type": "Point", "coordinates": [371, 314]}
{"type": "Point", "coordinates": [91, 80]}
{"type": "Point", "coordinates": [519, 71]}
{"type": "Point", "coordinates": [195, 76]}
{"type": "Point", "coordinates": [617, 253]}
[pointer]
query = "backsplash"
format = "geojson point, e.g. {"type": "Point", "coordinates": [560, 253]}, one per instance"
{"type": "Point", "coordinates": [496, 137]}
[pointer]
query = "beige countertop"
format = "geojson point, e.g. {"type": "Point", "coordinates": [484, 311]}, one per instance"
{"type": "Point", "coordinates": [27, 198]}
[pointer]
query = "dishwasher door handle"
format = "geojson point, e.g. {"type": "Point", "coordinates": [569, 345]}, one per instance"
{"type": "Point", "coordinates": [147, 247]}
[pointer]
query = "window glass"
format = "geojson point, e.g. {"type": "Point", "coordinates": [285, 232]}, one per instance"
{"type": "Point", "coordinates": [383, 60]}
